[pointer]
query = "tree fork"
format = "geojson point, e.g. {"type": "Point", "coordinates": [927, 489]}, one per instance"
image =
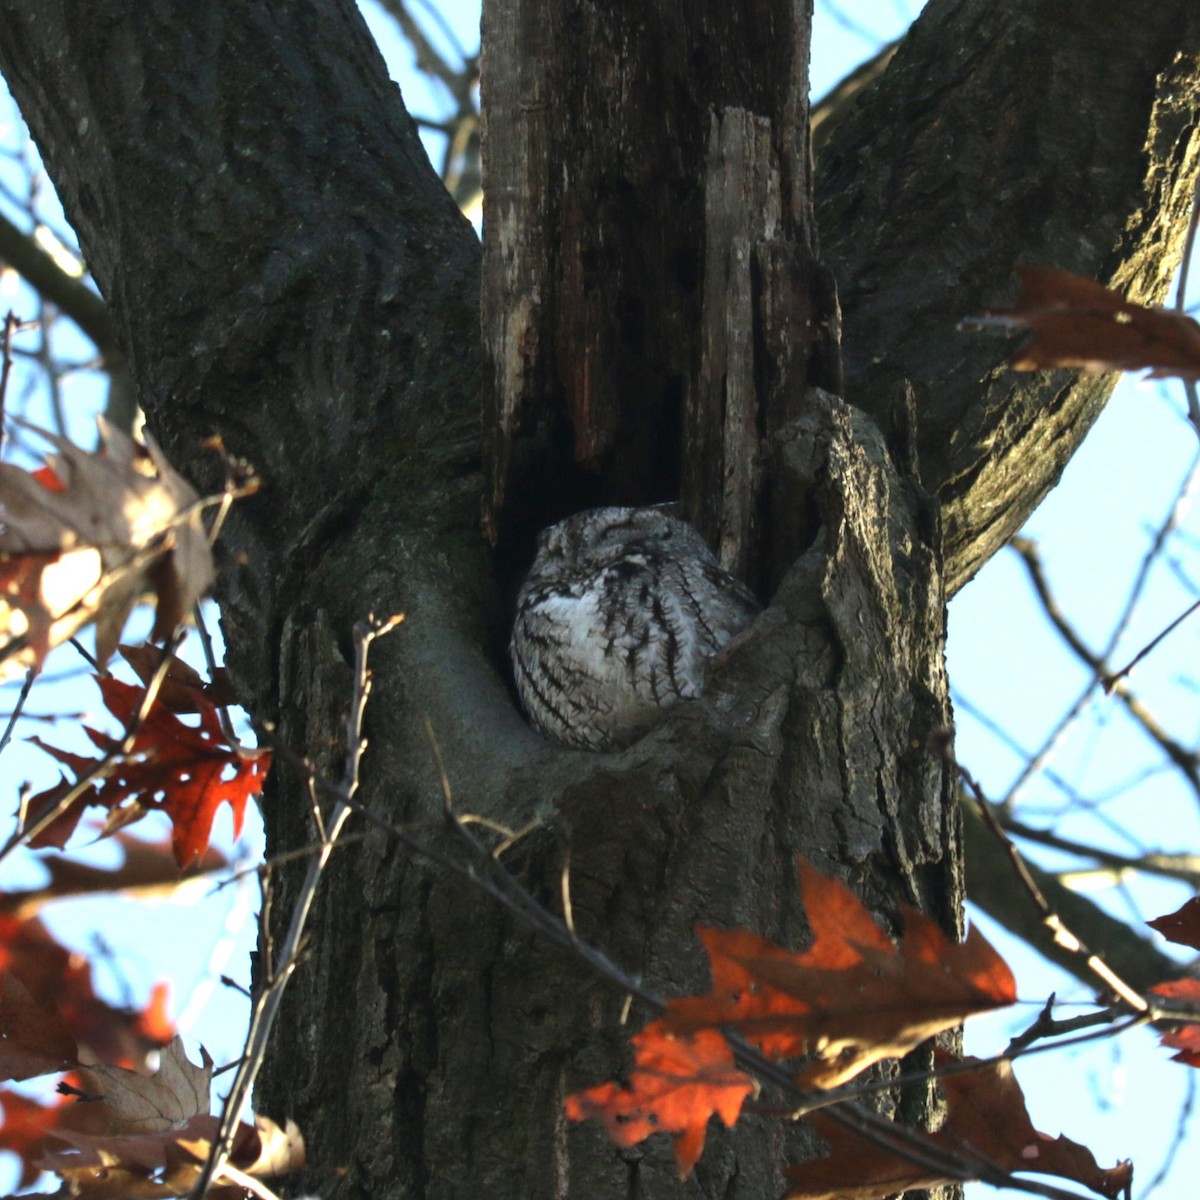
{"type": "Point", "coordinates": [286, 270]}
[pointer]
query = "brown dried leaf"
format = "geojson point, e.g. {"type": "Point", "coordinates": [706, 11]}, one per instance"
{"type": "Point", "coordinates": [184, 690]}
{"type": "Point", "coordinates": [987, 1129]}
{"type": "Point", "coordinates": [168, 1099]}
{"type": "Point", "coordinates": [152, 1165]}
{"type": "Point", "coordinates": [122, 524]}
{"type": "Point", "coordinates": [261, 1149]}
{"type": "Point", "coordinates": [148, 869]}
{"type": "Point", "coordinates": [1079, 323]}
{"type": "Point", "coordinates": [148, 1165]}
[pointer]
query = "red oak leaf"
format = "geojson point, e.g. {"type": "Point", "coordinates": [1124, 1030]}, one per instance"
{"type": "Point", "coordinates": [676, 1084]}
{"type": "Point", "coordinates": [986, 1130]}
{"type": "Point", "coordinates": [853, 997]}
{"type": "Point", "coordinates": [183, 770]}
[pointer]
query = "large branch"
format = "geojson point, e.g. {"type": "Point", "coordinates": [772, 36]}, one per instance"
{"type": "Point", "coordinates": [1005, 133]}
{"type": "Point", "coordinates": [71, 296]}
{"type": "Point", "coordinates": [992, 885]}
{"type": "Point", "coordinates": [283, 264]}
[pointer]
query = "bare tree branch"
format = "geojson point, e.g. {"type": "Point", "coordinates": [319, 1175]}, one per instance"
{"type": "Point", "coordinates": [990, 885]}
{"type": "Point", "coordinates": [71, 297]}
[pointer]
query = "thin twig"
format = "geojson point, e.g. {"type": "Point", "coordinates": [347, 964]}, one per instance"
{"type": "Point", "coordinates": [18, 708]}
{"type": "Point", "coordinates": [1182, 1129]}
{"type": "Point", "coordinates": [283, 966]}
{"type": "Point", "coordinates": [1184, 867]}
{"type": "Point", "coordinates": [11, 324]}
{"type": "Point", "coordinates": [241, 1179]}
{"type": "Point", "coordinates": [210, 663]}
{"type": "Point", "coordinates": [1109, 682]}
{"type": "Point", "coordinates": [1184, 758]}
{"type": "Point", "coordinates": [1037, 762]}
{"type": "Point", "coordinates": [1063, 937]}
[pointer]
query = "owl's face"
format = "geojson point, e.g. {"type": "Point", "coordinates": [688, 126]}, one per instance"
{"type": "Point", "coordinates": [616, 621]}
{"type": "Point", "coordinates": [597, 537]}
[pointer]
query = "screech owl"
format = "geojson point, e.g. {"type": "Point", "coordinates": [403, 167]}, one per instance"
{"type": "Point", "coordinates": [615, 621]}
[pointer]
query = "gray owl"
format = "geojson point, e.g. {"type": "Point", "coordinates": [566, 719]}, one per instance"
{"type": "Point", "coordinates": [615, 622]}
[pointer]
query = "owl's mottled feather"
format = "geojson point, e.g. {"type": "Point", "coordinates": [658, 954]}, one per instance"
{"type": "Point", "coordinates": [619, 613]}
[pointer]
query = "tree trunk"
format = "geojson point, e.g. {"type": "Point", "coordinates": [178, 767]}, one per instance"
{"type": "Point", "coordinates": [286, 271]}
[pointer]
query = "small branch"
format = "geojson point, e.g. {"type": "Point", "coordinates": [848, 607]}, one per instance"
{"type": "Point", "coordinates": [1063, 937]}
{"type": "Point", "coordinates": [19, 707]}
{"type": "Point", "coordinates": [1110, 681]}
{"type": "Point", "coordinates": [282, 965]}
{"type": "Point", "coordinates": [429, 61]}
{"type": "Point", "coordinates": [1183, 867]}
{"type": "Point", "coordinates": [1183, 1127]}
{"type": "Point", "coordinates": [1185, 759]}
{"type": "Point", "coordinates": [1048, 1026]}
{"type": "Point", "coordinates": [11, 325]}
{"type": "Point", "coordinates": [210, 663]}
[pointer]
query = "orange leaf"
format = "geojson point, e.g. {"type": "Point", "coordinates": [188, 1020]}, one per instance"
{"type": "Point", "coordinates": [152, 1022]}
{"type": "Point", "coordinates": [676, 1084]}
{"type": "Point", "coordinates": [1078, 323]}
{"type": "Point", "coordinates": [853, 997]}
{"type": "Point", "coordinates": [986, 1128]}
{"type": "Point", "coordinates": [182, 770]}
{"type": "Point", "coordinates": [1186, 1038]}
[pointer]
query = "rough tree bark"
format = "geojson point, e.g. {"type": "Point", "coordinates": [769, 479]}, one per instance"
{"type": "Point", "coordinates": [285, 270]}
